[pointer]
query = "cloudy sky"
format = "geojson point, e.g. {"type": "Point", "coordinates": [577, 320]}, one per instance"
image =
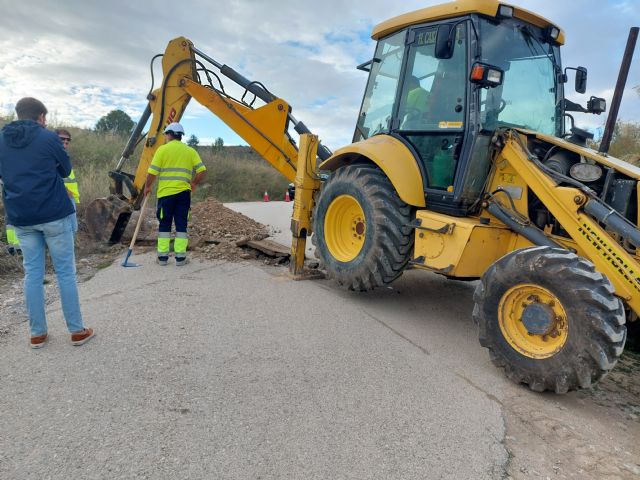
{"type": "Point", "coordinates": [84, 58]}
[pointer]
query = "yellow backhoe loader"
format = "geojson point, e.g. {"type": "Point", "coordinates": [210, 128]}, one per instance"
{"type": "Point", "coordinates": [460, 165]}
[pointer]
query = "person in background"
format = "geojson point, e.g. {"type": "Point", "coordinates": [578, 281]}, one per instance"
{"type": "Point", "coordinates": [179, 170]}
{"type": "Point", "coordinates": [12, 241]}
{"type": "Point", "coordinates": [70, 183]}
{"type": "Point", "coordinates": [32, 166]}
{"type": "Point", "coordinates": [13, 246]}
{"type": "Point", "coordinates": [416, 103]}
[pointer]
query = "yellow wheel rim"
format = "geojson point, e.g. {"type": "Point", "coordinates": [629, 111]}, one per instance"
{"type": "Point", "coordinates": [533, 321]}
{"type": "Point", "coordinates": [344, 228]}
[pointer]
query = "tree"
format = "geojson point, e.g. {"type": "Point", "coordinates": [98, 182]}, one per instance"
{"type": "Point", "coordinates": [625, 143]}
{"type": "Point", "coordinates": [116, 121]}
{"type": "Point", "coordinates": [217, 146]}
{"type": "Point", "coordinates": [193, 141]}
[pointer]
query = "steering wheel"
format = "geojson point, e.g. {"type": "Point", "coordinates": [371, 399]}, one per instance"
{"type": "Point", "coordinates": [412, 117]}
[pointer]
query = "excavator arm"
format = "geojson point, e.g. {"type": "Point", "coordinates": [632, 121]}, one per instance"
{"type": "Point", "coordinates": [591, 225]}
{"type": "Point", "coordinates": [265, 128]}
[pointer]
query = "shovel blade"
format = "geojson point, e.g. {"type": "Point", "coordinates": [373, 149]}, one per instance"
{"type": "Point", "coordinates": [127, 263]}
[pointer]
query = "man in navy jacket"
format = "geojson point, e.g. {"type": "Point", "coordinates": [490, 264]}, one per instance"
{"type": "Point", "coordinates": [33, 164]}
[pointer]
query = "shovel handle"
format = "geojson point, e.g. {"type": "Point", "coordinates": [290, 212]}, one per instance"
{"type": "Point", "coordinates": [135, 232]}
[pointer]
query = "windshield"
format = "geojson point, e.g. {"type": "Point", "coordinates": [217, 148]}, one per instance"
{"type": "Point", "coordinates": [377, 107]}
{"type": "Point", "coordinates": [529, 96]}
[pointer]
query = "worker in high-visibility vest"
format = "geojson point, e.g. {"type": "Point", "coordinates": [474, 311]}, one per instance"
{"type": "Point", "coordinates": [70, 183]}
{"type": "Point", "coordinates": [12, 241]}
{"type": "Point", "coordinates": [179, 170]}
{"type": "Point", "coordinates": [13, 246]}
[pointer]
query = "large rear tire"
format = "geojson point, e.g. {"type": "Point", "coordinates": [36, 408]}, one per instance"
{"type": "Point", "coordinates": [361, 230]}
{"type": "Point", "coordinates": [549, 319]}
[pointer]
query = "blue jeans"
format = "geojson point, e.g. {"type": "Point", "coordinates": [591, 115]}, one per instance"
{"type": "Point", "coordinates": [74, 220]}
{"type": "Point", "coordinates": [58, 237]}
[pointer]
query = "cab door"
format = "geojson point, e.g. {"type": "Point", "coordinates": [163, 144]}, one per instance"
{"type": "Point", "coordinates": [431, 107]}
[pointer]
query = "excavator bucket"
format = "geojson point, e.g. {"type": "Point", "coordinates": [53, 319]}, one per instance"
{"type": "Point", "coordinates": [106, 218]}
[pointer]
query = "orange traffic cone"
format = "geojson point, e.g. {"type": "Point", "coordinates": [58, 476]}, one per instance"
{"type": "Point", "coordinates": [265, 197]}
{"type": "Point", "coordinates": [286, 196]}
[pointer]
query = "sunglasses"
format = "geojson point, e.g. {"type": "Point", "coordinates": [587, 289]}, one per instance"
{"type": "Point", "coordinates": [65, 139]}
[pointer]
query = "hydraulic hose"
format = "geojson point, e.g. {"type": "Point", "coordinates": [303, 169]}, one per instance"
{"type": "Point", "coordinates": [614, 221]}
{"type": "Point", "coordinates": [528, 231]}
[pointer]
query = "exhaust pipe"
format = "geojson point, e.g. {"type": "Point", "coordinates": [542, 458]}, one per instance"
{"type": "Point", "coordinates": [617, 94]}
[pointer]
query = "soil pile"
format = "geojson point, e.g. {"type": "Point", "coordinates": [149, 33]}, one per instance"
{"type": "Point", "coordinates": [215, 231]}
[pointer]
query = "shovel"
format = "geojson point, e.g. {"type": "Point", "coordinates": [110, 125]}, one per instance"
{"type": "Point", "coordinates": [126, 262]}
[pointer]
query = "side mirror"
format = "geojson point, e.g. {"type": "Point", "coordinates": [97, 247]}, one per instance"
{"type": "Point", "coordinates": [366, 66]}
{"type": "Point", "coordinates": [581, 79]}
{"type": "Point", "coordinates": [444, 42]}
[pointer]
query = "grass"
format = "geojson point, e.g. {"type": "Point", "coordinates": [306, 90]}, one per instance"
{"type": "Point", "coordinates": [234, 174]}
{"type": "Point", "coordinates": [238, 175]}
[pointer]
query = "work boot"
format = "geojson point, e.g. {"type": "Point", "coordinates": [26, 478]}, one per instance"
{"type": "Point", "coordinates": [39, 341]}
{"type": "Point", "coordinates": [162, 260]}
{"type": "Point", "coordinates": [180, 261]}
{"type": "Point", "coordinates": [82, 337]}
{"type": "Point", "coordinates": [11, 251]}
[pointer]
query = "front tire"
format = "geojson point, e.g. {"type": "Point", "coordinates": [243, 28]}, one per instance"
{"type": "Point", "coordinates": [549, 319]}
{"type": "Point", "coordinates": [361, 228]}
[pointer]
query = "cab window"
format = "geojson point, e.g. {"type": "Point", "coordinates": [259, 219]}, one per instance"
{"type": "Point", "coordinates": [377, 106]}
{"type": "Point", "coordinates": [432, 95]}
{"type": "Point", "coordinates": [431, 108]}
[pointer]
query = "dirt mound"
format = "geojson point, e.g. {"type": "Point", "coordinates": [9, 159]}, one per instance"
{"type": "Point", "coordinates": [212, 220]}
{"type": "Point", "coordinates": [215, 231]}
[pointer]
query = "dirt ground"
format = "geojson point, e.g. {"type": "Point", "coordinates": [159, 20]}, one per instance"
{"type": "Point", "coordinates": [547, 436]}
{"type": "Point", "coordinates": [215, 232]}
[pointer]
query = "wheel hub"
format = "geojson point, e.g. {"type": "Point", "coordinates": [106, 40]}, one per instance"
{"type": "Point", "coordinates": [533, 321]}
{"type": "Point", "coordinates": [538, 319]}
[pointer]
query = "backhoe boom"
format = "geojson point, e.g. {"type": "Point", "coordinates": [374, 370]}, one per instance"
{"type": "Point", "coordinates": [264, 128]}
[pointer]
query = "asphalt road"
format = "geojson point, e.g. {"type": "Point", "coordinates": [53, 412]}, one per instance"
{"type": "Point", "coordinates": [235, 371]}
{"type": "Point", "coordinates": [276, 215]}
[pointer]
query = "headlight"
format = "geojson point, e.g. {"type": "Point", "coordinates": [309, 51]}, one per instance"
{"type": "Point", "coordinates": [505, 11]}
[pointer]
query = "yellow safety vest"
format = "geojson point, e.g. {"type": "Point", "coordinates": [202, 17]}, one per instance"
{"type": "Point", "coordinates": [12, 238]}
{"type": "Point", "coordinates": [71, 184]}
{"type": "Point", "coordinates": [175, 164]}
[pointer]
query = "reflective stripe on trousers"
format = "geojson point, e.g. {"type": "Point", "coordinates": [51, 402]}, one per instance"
{"type": "Point", "coordinates": [164, 243]}
{"type": "Point", "coordinates": [180, 244]}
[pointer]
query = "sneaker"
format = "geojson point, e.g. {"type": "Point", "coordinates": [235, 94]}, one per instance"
{"type": "Point", "coordinates": [80, 338]}
{"type": "Point", "coordinates": [180, 261]}
{"type": "Point", "coordinates": [162, 261]}
{"type": "Point", "coordinates": [39, 341]}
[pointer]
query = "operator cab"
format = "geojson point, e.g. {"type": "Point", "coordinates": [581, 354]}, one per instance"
{"type": "Point", "coordinates": [421, 91]}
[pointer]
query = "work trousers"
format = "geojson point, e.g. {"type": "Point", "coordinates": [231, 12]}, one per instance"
{"type": "Point", "coordinates": [173, 209]}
